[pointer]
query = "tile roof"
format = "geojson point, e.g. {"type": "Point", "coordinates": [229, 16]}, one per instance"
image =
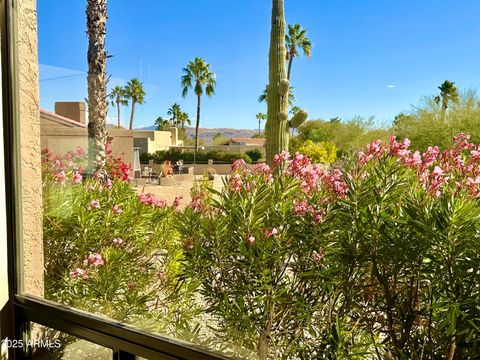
{"type": "Point", "coordinates": [248, 141]}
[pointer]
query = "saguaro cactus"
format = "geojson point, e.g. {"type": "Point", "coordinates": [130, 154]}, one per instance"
{"type": "Point", "coordinates": [278, 125]}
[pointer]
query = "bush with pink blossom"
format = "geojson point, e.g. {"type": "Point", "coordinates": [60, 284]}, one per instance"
{"type": "Point", "coordinates": [378, 259]}
{"type": "Point", "coordinates": [109, 250]}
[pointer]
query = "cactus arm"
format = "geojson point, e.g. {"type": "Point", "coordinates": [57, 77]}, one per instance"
{"type": "Point", "coordinates": [298, 119]}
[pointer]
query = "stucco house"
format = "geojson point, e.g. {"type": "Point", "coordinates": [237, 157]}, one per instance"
{"type": "Point", "coordinates": [66, 128]}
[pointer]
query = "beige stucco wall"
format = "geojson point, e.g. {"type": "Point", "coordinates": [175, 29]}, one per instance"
{"type": "Point", "coordinates": [151, 141]}
{"type": "Point", "coordinates": [30, 208]}
{"type": "Point", "coordinates": [3, 223]}
{"type": "Point", "coordinates": [60, 139]}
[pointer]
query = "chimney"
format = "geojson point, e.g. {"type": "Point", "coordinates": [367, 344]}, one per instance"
{"type": "Point", "coordinates": [74, 110]}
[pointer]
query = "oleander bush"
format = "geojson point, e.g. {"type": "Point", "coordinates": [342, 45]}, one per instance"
{"type": "Point", "coordinates": [376, 260]}
{"type": "Point", "coordinates": [109, 250]}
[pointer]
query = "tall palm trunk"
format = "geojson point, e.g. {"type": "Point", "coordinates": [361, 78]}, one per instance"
{"type": "Point", "coordinates": [197, 125]}
{"type": "Point", "coordinates": [290, 61]}
{"type": "Point", "coordinates": [97, 83]}
{"type": "Point", "coordinates": [259, 126]}
{"type": "Point", "coordinates": [132, 114]}
{"type": "Point", "coordinates": [118, 113]}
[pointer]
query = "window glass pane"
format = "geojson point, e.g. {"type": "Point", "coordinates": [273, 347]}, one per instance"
{"type": "Point", "coordinates": [47, 343]}
{"type": "Point", "coordinates": [158, 209]}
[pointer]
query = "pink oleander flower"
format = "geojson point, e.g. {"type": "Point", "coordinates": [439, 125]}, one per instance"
{"type": "Point", "coordinates": [430, 156]}
{"type": "Point", "coordinates": [118, 241]}
{"type": "Point", "coordinates": [437, 171]}
{"type": "Point", "coordinates": [238, 164]}
{"type": "Point", "coordinates": [161, 276]}
{"type": "Point", "coordinates": [279, 158]}
{"type": "Point", "coordinates": [251, 240]}
{"type": "Point", "coordinates": [334, 183]}
{"type": "Point", "coordinates": [77, 178]}
{"type": "Point", "coordinates": [117, 209]}
{"type": "Point", "coordinates": [94, 204]}
{"type": "Point", "coordinates": [413, 159]}
{"type": "Point", "coordinates": [176, 202]}
{"type": "Point", "coordinates": [236, 182]}
{"type": "Point", "coordinates": [475, 155]}
{"type": "Point", "coordinates": [79, 273]}
{"type": "Point", "coordinates": [263, 169]}
{"type": "Point", "coordinates": [301, 208]}
{"type": "Point", "coordinates": [399, 149]}
{"type": "Point", "coordinates": [90, 187]}
{"type": "Point", "coordinates": [60, 177]}
{"type": "Point", "coordinates": [318, 256]}
{"type": "Point", "coordinates": [375, 149]}
{"type": "Point", "coordinates": [318, 216]}
{"type": "Point", "coordinates": [151, 199]}
{"type": "Point", "coordinates": [109, 184]}
{"type": "Point", "coordinates": [95, 260]}
{"type": "Point", "coordinates": [270, 233]}
{"type": "Point", "coordinates": [80, 151]}
{"type": "Point", "coordinates": [197, 203]}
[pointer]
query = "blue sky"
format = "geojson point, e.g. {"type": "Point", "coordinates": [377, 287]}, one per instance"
{"type": "Point", "coordinates": [370, 57]}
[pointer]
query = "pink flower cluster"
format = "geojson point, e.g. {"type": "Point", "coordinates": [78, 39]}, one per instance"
{"type": "Point", "coordinates": [151, 199]}
{"type": "Point", "coordinates": [269, 233]}
{"type": "Point", "coordinates": [94, 260]}
{"type": "Point", "coordinates": [236, 182]}
{"type": "Point", "coordinates": [94, 204]}
{"type": "Point", "coordinates": [197, 204]}
{"type": "Point", "coordinates": [238, 164]}
{"type": "Point", "coordinates": [60, 177]}
{"type": "Point", "coordinates": [79, 274]}
{"type": "Point", "coordinates": [77, 177]}
{"type": "Point", "coordinates": [176, 202]}
{"type": "Point", "coordinates": [117, 209]}
{"type": "Point", "coordinates": [303, 208]}
{"type": "Point", "coordinates": [334, 183]}
{"type": "Point", "coordinates": [264, 170]}
{"type": "Point", "coordinates": [458, 166]}
{"type": "Point", "coordinates": [301, 168]}
{"type": "Point", "coordinates": [118, 241]}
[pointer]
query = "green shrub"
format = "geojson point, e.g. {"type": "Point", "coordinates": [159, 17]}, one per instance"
{"type": "Point", "coordinates": [202, 156]}
{"type": "Point", "coordinates": [321, 153]}
{"type": "Point", "coordinates": [254, 154]}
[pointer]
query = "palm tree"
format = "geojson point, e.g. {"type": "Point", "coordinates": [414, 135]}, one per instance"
{"type": "Point", "coordinates": [198, 76]}
{"type": "Point", "coordinates": [260, 116]}
{"type": "Point", "coordinates": [448, 92]}
{"type": "Point", "coordinates": [118, 95]}
{"type": "Point", "coordinates": [162, 124]}
{"type": "Point", "coordinates": [136, 93]}
{"type": "Point", "coordinates": [96, 12]}
{"type": "Point", "coordinates": [291, 96]}
{"type": "Point", "coordinates": [294, 39]}
{"type": "Point", "coordinates": [183, 118]}
{"type": "Point", "coordinates": [174, 112]}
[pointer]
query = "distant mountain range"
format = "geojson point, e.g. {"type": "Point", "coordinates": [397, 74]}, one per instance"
{"type": "Point", "coordinates": [208, 134]}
